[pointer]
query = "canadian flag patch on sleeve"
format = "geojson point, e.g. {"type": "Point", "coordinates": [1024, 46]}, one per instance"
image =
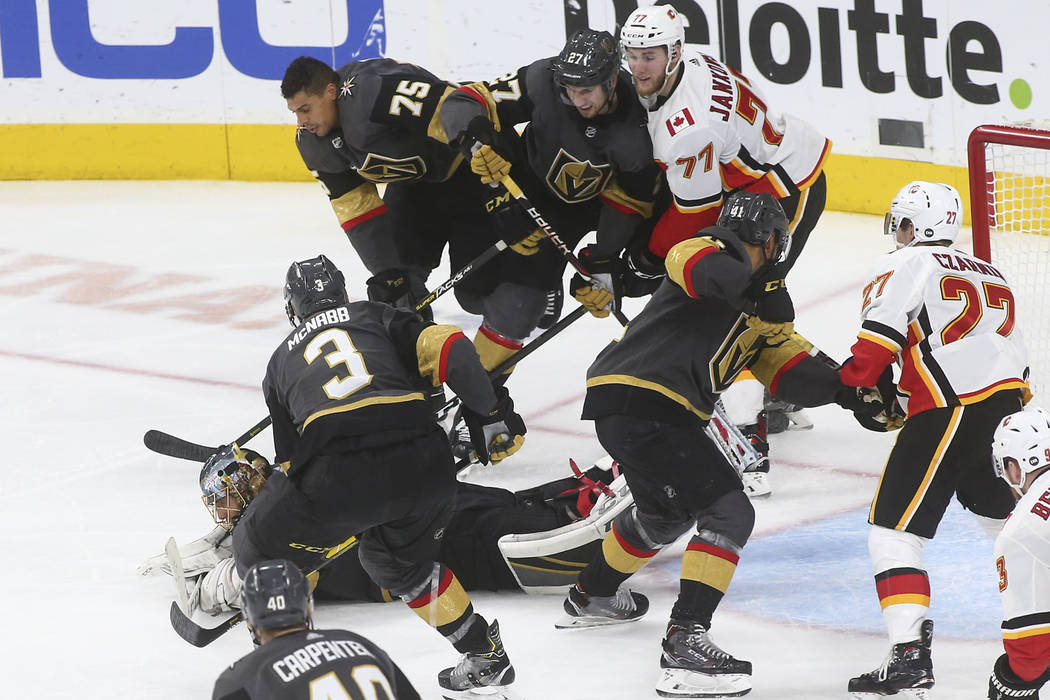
{"type": "Point", "coordinates": [679, 121]}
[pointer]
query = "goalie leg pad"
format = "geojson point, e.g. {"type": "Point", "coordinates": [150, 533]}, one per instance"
{"type": "Point", "coordinates": [551, 561]}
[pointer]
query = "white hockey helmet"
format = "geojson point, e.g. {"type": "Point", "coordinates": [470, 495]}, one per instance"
{"type": "Point", "coordinates": [658, 25]}
{"type": "Point", "coordinates": [933, 208]}
{"type": "Point", "coordinates": [1022, 438]}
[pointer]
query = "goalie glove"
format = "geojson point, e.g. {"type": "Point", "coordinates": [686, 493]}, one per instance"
{"type": "Point", "coordinates": [198, 557]}
{"type": "Point", "coordinates": [875, 408]}
{"type": "Point", "coordinates": [1004, 684]}
{"type": "Point", "coordinates": [600, 294]}
{"type": "Point", "coordinates": [219, 590]}
{"type": "Point", "coordinates": [498, 434]}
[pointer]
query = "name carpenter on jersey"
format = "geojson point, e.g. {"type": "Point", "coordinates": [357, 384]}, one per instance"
{"type": "Point", "coordinates": [313, 655]}
{"type": "Point", "coordinates": [323, 318]}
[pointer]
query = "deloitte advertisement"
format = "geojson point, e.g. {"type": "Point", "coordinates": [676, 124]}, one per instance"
{"type": "Point", "coordinates": [144, 88]}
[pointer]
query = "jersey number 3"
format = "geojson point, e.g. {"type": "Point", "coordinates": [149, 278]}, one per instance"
{"type": "Point", "coordinates": [344, 354]}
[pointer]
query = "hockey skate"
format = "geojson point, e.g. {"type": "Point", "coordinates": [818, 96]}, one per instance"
{"type": "Point", "coordinates": [756, 475]}
{"type": "Point", "coordinates": [582, 610]}
{"type": "Point", "coordinates": [480, 673]}
{"type": "Point", "coordinates": [693, 666]}
{"type": "Point", "coordinates": [906, 673]}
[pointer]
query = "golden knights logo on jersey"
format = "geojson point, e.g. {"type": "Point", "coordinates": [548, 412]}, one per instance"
{"type": "Point", "coordinates": [576, 181]}
{"type": "Point", "coordinates": [378, 168]}
{"type": "Point", "coordinates": [736, 352]}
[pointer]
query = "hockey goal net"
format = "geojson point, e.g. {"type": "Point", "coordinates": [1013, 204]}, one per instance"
{"type": "Point", "coordinates": [1010, 213]}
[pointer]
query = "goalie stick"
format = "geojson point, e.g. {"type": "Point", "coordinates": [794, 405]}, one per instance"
{"type": "Point", "coordinates": [167, 444]}
{"type": "Point", "coordinates": [203, 636]}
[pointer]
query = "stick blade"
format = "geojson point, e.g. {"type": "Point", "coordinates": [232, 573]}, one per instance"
{"type": "Point", "coordinates": [165, 444]}
{"type": "Point", "coordinates": [195, 634]}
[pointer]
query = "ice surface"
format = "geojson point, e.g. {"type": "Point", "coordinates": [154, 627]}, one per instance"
{"type": "Point", "coordinates": [129, 306]}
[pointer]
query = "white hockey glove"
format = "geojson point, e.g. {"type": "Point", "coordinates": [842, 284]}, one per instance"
{"type": "Point", "coordinates": [219, 590]}
{"type": "Point", "coordinates": [198, 557]}
{"type": "Point", "coordinates": [498, 434]}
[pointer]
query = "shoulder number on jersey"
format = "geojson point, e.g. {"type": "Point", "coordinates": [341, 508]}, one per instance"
{"type": "Point", "coordinates": [505, 87]}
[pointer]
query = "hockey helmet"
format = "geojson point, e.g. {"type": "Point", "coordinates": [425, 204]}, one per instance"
{"type": "Point", "coordinates": [589, 57]}
{"type": "Point", "coordinates": [310, 286]}
{"type": "Point", "coordinates": [1022, 440]}
{"type": "Point", "coordinates": [230, 480]}
{"type": "Point", "coordinates": [275, 595]}
{"type": "Point", "coordinates": [933, 208]}
{"type": "Point", "coordinates": [754, 218]}
{"type": "Point", "coordinates": [658, 25]}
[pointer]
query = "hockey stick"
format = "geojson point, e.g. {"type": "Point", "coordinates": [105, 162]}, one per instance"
{"type": "Point", "coordinates": [552, 235]}
{"type": "Point", "coordinates": [203, 636]}
{"type": "Point", "coordinates": [166, 444]}
{"type": "Point", "coordinates": [172, 446]}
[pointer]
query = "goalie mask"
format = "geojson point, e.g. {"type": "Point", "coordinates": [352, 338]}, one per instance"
{"type": "Point", "coordinates": [755, 218]}
{"type": "Point", "coordinates": [310, 286]}
{"type": "Point", "coordinates": [933, 208]}
{"type": "Point", "coordinates": [230, 480]}
{"type": "Point", "coordinates": [1021, 442]}
{"type": "Point", "coordinates": [275, 595]}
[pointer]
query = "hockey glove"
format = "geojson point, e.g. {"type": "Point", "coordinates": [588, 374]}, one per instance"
{"type": "Point", "coordinates": [642, 271]}
{"type": "Point", "coordinates": [875, 408]}
{"type": "Point", "coordinates": [388, 286]}
{"type": "Point", "coordinates": [775, 332]}
{"type": "Point", "coordinates": [600, 293]}
{"type": "Point", "coordinates": [775, 304]}
{"type": "Point", "coordinates": [530, 245]}
{"type": "Point", "coordinates": [485, 160]}
{"type": "Point", "coordinates": [500, 433]}
{"type": "Point", "coordinates": [1004, 684]}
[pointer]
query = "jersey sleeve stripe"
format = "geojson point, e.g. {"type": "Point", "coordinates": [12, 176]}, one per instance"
{"type": "Point", "coordinates": [432, 350]}
{"type": "Point", "coordinates": [784, 368]}
{"type": "Point", "coordinates": [358, 205]}
{"type": "Point", "coordinates": [892, 338]}
{"type": "Point", "coordinates": [683, 257]}
{"type": "Point", "coordinates": [818, 169]}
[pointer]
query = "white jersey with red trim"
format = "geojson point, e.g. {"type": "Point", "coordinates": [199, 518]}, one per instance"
{"type": "Point", "coordinates": [715, 133]}
{"type": "Point", "coordinates": [1022, 557]}
{"type": "Point", "coordinates": [949, 319]}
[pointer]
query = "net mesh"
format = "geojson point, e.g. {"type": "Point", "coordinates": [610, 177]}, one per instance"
{"type": "Point", "coordinates": [1017, 188]}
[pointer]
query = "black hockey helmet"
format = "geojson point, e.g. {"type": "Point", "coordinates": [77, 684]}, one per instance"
{"type": "Point", "coordinates": [310, 286]}
{"type": "Point", "coordinates": [589, 57]}
{"type": "Point", "coordinates": [275, 595]}
{"type": "Point", "coordinates": [755, 217]}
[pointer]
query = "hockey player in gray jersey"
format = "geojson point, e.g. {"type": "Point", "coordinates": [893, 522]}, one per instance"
{"type": "Point", "coordinates": [584, 159]}
{"type": "Point", "coordinates": [362, 454]}
{"type": "Point", "coordinates": [377, 122]}
{"type": "Point", "coordinates": [293, 660]}
{"type": "Point", "coordinates": [651, 395]}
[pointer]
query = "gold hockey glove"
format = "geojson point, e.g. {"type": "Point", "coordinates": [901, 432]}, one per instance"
{"type": "Point", "coordinates": [489, 165]}
{"type": "Point", "coordinates": [498, 434]}
{"type": "Point", "coordinates": [600, 294]}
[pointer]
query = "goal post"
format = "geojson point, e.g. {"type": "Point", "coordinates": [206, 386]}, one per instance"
{"type": "Point", "coordinates": [1009, 169]}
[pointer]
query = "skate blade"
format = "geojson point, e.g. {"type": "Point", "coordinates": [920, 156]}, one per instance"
{"type": "Point", "coordinates": [756, 484]}
{"type": "Point", "coordinates": [906, 694]}
{"type": "Point", "coordinates": [798, 420]}
{"type": "Point", "coordinates": [682, 683]}
{"type": "Point", "coordinates": [568, 622]}
{"type": "Point", "coordinates": [494, 692]}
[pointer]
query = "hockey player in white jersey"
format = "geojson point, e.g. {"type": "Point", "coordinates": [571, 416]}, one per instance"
{"type": "Point", "coordinates": [1021, 449]}
{"type": "Point", "coordinates": [949, 320]}
{"type": "Point", "coordinates": [713, 132]}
